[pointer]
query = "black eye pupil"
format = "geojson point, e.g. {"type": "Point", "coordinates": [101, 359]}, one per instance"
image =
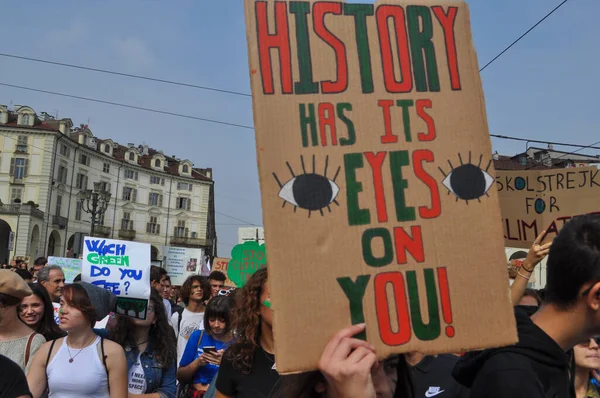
{"type": "Point", "coordinates": [312, 191]}
{"type": "Point", "coordinates": [468, 182]}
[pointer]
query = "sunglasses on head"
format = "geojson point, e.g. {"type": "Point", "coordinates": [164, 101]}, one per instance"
{"type": "Point", "coordinates": [224, 292]}
{"type": "Point", "coordinates": [587, 342]}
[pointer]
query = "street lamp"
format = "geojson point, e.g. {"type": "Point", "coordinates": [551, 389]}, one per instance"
{"type": "Point", "coordinates": [94, 202]}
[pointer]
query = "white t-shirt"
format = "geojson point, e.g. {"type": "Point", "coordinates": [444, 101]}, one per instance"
{"type": "Point", "coordinates": [137, 377]}
{"type": "Point", "coordinates": [190, 322]}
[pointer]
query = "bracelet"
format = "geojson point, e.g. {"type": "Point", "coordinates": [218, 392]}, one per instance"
{"type": "Point", "coordinates": [528, 270]}
{"type": "Point", "coordinates": [523, 276]}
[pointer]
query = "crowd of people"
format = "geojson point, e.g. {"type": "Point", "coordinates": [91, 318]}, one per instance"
{"type": "Point", "coordinates": [203, 339]}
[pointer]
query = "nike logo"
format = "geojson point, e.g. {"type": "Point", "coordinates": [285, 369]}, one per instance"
{"type": "Point", "coordinates": [433, 391]}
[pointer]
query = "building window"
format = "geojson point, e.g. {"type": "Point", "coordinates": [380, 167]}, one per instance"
{"type": "Point", "coordinates": [131, 174]}
{"type": "Point", "coordinates": [100, 220]}
{"type": "Point", "coordinates": [78, 207]}
{"type": "Point", "coordinates": [129, 194]}
{"type": "Point", "coordinates": [105, 186]}
{"type": "Point", "coordinates": [106, 167]}
{"type": "Point", "coordinates": [107, 148]}
{"type": "Point", "coordinates": [127, 222]}
{"type": "Point", "coordinates": [84, 159]}
{"type": "Point", "coordinates": [81, 181]}
{"type": "Point", "coordinates": [180, 230]}
{"type": "Point", "coordinates": [184, 203]}
{"type": "Point", "coordinates": [153, 227]}
{"type": "Point", "coordinates": [157, 163]}
{"type": "Point", "coordinates": [184, 186]}
{"type": "Point", "coordinates": [157, 180]}
{"type": "Point", "coordinates": [132, 156]}
{"type": "Point", "coordinates": [62, 174]}
{"type": "Point", "coordinates": [19, 168]}
{"type": "Point", "coordinates": [155, 199]}
{"type": "Point", "coordinates": [185, 169]}
{"type": "Point", "coordinates": [65, 150]}
{"type": "Point", "coordinates": [22, 144]}
{"type": "Point", "coordinates": [25, 119]}
{"type": "Point", "coordinates": [58, 205]}
{"type": "Point", "coordinates": [16, 193]}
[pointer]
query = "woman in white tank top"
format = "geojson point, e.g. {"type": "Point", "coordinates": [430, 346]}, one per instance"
{"type": "Point", "coordinates": [81, 364]}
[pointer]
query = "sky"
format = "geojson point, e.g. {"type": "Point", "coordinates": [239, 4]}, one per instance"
{"type": "Point", "coordinates": [544, 88]}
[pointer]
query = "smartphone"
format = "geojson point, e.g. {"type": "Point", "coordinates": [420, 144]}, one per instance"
{"type": "Point", "coordinates": [210, 349]}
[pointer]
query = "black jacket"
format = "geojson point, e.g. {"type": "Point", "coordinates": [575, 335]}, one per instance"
{"type": "Point", "coordinates": [432, 377]}
{"type": "Point", "coordinates": [535, 367]}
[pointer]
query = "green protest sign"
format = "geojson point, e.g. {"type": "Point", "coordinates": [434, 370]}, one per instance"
{"type": "Point", "coordinates": [246, 259]}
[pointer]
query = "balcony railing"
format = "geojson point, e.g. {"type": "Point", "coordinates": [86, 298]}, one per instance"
{"type": "Point", "coordinates": [102, 230]}
{"type": "Point", "coordinates": [127, 234]}
{"type": "Point", "coordinates": [60, 221]}
{"type": "Point", "coordinates": [187, 241]}
{"type": "Point", "coordinates": [23, 209]}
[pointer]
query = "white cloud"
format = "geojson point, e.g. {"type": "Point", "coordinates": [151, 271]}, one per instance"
{"type": "Point", "coordinates": [135, 53]}
{"type": "Point", "coordinates": [75, 34]}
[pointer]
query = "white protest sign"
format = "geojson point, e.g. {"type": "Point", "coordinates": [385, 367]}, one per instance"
{"type": "Point", "coordinates": [181, 262]}
{"type": "Point", "coordinates": [121, 267]}
{"type": "Point", "coordinates": [71, 267]}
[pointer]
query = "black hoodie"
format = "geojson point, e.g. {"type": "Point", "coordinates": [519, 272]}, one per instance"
{"type": "Point", "coordinates": [535, 367]}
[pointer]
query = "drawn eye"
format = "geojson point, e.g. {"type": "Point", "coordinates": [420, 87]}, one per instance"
{"type": "Point", "coordinates": [309, 191]}
{"type": "Point", "coordinates": [468, 181]}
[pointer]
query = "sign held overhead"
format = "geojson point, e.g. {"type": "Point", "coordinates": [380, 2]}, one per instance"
{"type": "Point", "coordinates": [375, 169]}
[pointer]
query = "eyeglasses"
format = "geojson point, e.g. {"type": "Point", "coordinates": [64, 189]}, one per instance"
{"type": "Point", "coordinates": [587, 342]}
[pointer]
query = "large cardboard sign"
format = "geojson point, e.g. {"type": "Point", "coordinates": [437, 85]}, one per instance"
{"type": "Point", "coordinates": [375, 169]}
{"type": "Point", "coordinates": [71, 267]}
{"type": "Point", "coordinates": [533, 201]}
{"type": "Point", "coordinates": [181, 262]}
{"type": "Point", "coordinates": [221, 264]}
{"type": "Point", "coordinates": [121, 267]}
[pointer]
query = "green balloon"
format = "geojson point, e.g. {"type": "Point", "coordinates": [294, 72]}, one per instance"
{"type": "Point", "coordinates": [246, 259]}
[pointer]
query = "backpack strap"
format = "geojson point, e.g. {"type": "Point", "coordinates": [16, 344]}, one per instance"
{"type": "Point", "coordinates": [200, 339]}
{"type": "Point", "coordinates": [47, 362]}
{"type": "Point", "coordinates": [179, 316]}
{"type": "Point", "coordinates": [104, 361]}
{"type": "Point", "coordinates": [28, 347]}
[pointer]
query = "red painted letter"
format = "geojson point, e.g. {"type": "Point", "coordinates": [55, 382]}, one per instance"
{"type": "Point", "coordinates": [389, 137]}
{"type": "Point", "coordinates": [279, 40]}
{"type": "Point", "coordinates": [405, 243]}
{"type": "Point", "coordinates": [376, 162]}
{"type": "Point", "coordinates": [320, 9]}
{"type": "Point", "coordinates": [327, 118]}
{"type": "Point", "coordinates": [430, 135]}
{"type": "Point", "coordinates": [384, 13]}
{"type": "Point", "coordinates": [388, 336]}
{"type": "Point", "coordinates": [447, 21]}
{"type": "Point", "coordinates": [420, 156]}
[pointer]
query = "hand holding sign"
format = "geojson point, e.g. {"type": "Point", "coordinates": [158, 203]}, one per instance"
{"type": "Point", "coordinates": [121, 267]}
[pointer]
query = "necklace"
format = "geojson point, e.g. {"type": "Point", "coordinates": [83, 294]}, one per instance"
{"type": "Point", "coordinates": [72, 357]}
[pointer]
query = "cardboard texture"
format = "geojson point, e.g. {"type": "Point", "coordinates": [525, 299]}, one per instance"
{"type": "Point", "coordinates": [375, 171]}
{"type": "Point", "coordinates": [220, 264]}
{"type": "Point", "coordinates": [533, 201]}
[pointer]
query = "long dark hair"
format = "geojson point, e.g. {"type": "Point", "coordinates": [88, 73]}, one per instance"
{"type": "Point", "coordinates": [47, 327]}
{"type": "Point", "coordinates": [161, 338]}
{"type": "Point", "coordinates": [246, 322]}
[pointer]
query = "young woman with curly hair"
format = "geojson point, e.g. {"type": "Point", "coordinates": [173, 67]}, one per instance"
{"type": "Point", "coordinates": [248, 367]}
{"type": "Point", "coordinates": [150, 350]}
{"type": "Point", "coordinates": [37, 312]}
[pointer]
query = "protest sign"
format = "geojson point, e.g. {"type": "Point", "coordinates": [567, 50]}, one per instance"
{"type": "Point", "coordinates": [375, 170]}
{"type": "Point", "coordinates": [533, 201]}
{"type": "Point", "coordinates": [71, 267]}
{"type": "Point", "coordinates": [246, 259]}
{"type": "Point", "coordinates": [181, 262]}
{"type": "Point", "coordinates": [121, 267]}
{"type": "Point", "coordinates": [220, 264]}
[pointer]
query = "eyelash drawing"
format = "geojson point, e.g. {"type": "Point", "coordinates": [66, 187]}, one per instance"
{"type": "Point", "coordinates": [468, 181]}
{"type": "Point", "coordinates": [309, 191]}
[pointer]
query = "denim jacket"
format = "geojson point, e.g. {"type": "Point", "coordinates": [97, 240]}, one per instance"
{"type": "Point", "coordinates": [159, 380]}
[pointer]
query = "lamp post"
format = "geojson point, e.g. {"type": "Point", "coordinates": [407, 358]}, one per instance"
{"type": "Point", "coordinates": [94, 202]}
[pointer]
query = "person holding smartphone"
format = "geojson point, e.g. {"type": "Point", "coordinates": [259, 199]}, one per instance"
{"type": "Point", "coordinates": [204, 350]}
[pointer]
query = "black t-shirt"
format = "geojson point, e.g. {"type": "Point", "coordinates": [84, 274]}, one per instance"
{"type": "Point", "coordinates": [432, 377]}
{"type": "Point", "coordinates": [256, 384]}
{"type": "Point", "coordinates": [12, 380]}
